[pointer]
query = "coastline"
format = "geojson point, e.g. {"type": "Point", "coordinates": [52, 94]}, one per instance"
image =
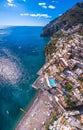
{"type": "Point", "coordinates": [21, 94]}
{"type": "Point", "coordinates": [27, 110]}
{"type": "Point", "coordinates": [38, 114]}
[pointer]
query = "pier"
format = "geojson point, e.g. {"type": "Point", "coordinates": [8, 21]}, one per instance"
{"type": "Point", "coordinates": [37, 83]}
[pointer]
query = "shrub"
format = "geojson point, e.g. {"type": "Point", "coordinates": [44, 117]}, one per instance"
{"type": "Point", "coordinates": [68, 87]}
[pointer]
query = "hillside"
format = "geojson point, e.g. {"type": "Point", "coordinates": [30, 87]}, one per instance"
{"type": "Point", "coordinates": [71, 17]}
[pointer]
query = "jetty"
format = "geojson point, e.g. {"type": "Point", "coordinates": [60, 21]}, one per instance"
{"type": "Point", "coordinates": [37, 83]}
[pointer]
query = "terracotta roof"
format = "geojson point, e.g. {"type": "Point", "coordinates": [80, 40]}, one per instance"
{"type": "Point", "coordinates": [59, 77]}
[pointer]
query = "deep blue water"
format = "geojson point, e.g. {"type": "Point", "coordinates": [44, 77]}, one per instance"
{"type": "Point", "coordinates": [21, 56]}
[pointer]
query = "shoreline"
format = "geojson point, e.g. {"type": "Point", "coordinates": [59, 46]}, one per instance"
{"type": "Point", "coordinates": [29, 109]}
{"type": "Point", "coordinates": [38, 114]}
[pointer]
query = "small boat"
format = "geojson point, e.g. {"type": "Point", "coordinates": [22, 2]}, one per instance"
{"type": "Point", "coordinates": [7, 112]}
{"type": "Point", "coordinates": [21, 109]}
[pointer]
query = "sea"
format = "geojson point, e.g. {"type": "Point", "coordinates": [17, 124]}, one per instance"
{"type": "Point", "coordinates": [21, 56]}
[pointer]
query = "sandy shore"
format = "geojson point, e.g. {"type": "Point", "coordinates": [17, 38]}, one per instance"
{"type": "Point", "coordinates": [38, 114]}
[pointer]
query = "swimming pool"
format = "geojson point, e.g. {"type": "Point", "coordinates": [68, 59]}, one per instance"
{"type": "Point", "coordinates": [52, 82]}
{"type": "Point", "coordinates": [43, 86]}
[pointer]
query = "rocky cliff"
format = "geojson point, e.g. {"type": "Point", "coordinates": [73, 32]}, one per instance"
{"type": "Point", "coordinates": [71, 17]}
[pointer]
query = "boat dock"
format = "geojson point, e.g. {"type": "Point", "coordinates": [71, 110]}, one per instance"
{"type": "Point", "coordinates": [37, 83]}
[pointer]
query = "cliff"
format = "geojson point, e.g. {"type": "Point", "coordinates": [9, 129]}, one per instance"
{"type": "Point", "coordinates": [70, 18]}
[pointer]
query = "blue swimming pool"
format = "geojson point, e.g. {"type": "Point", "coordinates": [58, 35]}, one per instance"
{"type": "Point", "coordinates": [43, 86]}
{"type": "Point", "coordinates": [52, 82]}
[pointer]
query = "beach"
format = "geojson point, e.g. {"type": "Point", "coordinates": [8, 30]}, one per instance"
{"type": "Point", "coordinates": [39, 113]}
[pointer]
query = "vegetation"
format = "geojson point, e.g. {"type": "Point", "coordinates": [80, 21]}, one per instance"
{"type": "Point", "coordinates": [69, 38]}
{"type": "Point", "coordinates": [68, 96]}
{"type": "Point", "coordinates": [80, 78]}
{"type": "Point", "coordinates": [52, 120]}
{"type": "Point", "coordinates": [68, 87]}
{"type": "Point", "coordinates": [51, 47]}
{"type": "Point", "coordinates": [75, 67]}
{"type": "Point", "coordinates": [68, 19]}
{"type": "Point", "coordinates": [81, 33]}
{"type": "Point", "coordinates": [69, 102]}
{"type": "Point", "coordinates": [48, 71]}
{"type": "Point", "coordinates": [58, 34]}
{"type": "Point", "coordinates": [60, 70]}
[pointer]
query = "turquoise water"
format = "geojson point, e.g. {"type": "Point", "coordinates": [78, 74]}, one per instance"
{"type": "Point", "coordinates": [21, 56]}
{"type": "Point", "coordinates": [52, 82]}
